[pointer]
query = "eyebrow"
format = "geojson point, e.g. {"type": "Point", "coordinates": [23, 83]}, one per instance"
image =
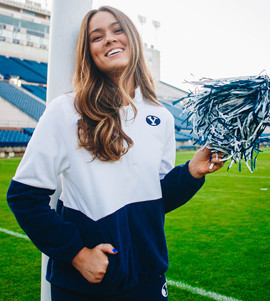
{"type": "Point", "coordinates": [100, 29]}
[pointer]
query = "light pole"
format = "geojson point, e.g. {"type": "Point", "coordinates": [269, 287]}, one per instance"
{"type": "Point", "coordinates": [156, 24]}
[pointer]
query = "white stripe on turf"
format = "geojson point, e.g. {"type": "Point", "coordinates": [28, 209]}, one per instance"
{"type": "Point", "coordinates": [200, 291]}
{"type": "Point", "coordinates": [14, 233]}
{"type": "Point", "coordinates": [184, 286]}
{"type": "Point", "coordinates": [239, 176]}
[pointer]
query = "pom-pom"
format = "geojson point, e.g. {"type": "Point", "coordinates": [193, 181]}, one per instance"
{"type": "Point", "coordinates": [229, 115]}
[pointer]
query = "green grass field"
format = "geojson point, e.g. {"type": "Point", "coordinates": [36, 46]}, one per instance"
{"type": "Point", "coordinates": [219, 241]}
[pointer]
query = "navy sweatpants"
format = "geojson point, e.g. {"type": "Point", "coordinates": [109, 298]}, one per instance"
{"type": "Point", "coordinates": [155, 290]}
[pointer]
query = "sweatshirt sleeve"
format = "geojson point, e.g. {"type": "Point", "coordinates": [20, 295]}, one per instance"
{"type": "Point", "coordinates": [55, 238]}
{"type": "Point", "coordinates": [177, 184]}
{"type": "Point", "coordinates": [28, 196]}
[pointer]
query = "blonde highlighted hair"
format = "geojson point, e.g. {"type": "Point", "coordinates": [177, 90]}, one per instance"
{"type": "Point", "coordinates": [99, 99]}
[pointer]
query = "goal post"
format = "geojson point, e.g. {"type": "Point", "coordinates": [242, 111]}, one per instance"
{"type": "Point", "coordinates": [66, 18]}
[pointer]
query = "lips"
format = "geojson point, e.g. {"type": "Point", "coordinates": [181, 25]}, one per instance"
{"type": "Point", "coordinates": [114, 51]}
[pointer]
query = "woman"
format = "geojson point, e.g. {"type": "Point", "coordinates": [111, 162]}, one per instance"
{"type": "Point", "coordinates": [113, 146]}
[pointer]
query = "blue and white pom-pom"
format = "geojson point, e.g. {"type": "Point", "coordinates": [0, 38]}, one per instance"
{"type": "Point", "coordinates": [229, 115]}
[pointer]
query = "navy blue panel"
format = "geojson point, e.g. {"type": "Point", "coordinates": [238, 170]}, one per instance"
{"type": "Point", "coordinates": [136, 231]}
{"type": "Point", "coordinates": [178, 186]}
{"type": "Point", "coordinates": [42, 224]}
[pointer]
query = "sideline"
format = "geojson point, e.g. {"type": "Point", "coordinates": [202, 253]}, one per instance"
{"type": "Point", "coordinates": [241, 176]}
{"type": "Point", "coordinates": [14, 233]}
{"type": "Point", "coordinates": [199, 291]}
{"type": "Point", "coordinates": [181, 285]}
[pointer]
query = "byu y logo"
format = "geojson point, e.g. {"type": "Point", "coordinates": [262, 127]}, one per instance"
{"type": "Point", "coordinates": [164, 290]}
{"type": "Point", "coordinates": [152, 120]}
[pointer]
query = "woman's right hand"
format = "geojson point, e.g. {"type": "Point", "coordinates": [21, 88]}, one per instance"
{"type": "Point", "coordinates": [93, 263]}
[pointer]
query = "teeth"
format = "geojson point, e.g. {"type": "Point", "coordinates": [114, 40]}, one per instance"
{"type": "Point", "coordinates": [114, 51]}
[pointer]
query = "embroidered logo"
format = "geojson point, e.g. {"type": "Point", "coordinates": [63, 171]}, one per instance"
{"type": "Point", "coordinates": [152, 120]}
{"type": "Point", "coordinates": [164, 291]}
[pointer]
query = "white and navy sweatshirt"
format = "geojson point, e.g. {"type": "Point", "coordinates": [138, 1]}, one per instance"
{"type": "Point", "coordinates": [122, 203]}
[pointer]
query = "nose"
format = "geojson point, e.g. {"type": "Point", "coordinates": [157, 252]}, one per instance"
{"type": "Point", "coordinates": [110, 39]}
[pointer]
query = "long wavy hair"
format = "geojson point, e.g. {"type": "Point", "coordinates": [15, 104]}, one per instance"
{"type": "Point", "coordinates": [99, 99]}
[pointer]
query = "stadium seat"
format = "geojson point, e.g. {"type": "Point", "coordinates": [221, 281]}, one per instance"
{"type": "Point", "coordinates": [22, 101]}
{"type": "Point", "coordinates": [14, 67]}
{"type": "Point", "coordinates": [38, 91]}
{"type": "Point", "coordinates": [13, 138]}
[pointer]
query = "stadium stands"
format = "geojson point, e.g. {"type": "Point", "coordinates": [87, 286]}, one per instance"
{"type": "Point", "coordinates": [14, 67]}
{"type": "Point", "coordinates": [28, 131]}
{"type": "Point", "coordinates": [38, 91]}
{"type": "Point", "coordinates": [265, 138]}
{"type": "Point", "coordinates": [180, 136]}
{"type": "Point", "coordinates": [179, 117]}
{"type": "Point", "coordinates": [13, 138]}
{"type": "Point", "coordinates": [21, 100]}
{"type": "Point", "coordinates": [40, 68]}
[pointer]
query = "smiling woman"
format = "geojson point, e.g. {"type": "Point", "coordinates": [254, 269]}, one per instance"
{"type": "Point", "coordinates": [113, 146]}
{"type": "Point", "coordinates": [110, 61]}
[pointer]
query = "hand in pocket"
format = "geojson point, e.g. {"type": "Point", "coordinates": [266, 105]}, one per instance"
{"type": "Point", "coordinates": [93, 263]}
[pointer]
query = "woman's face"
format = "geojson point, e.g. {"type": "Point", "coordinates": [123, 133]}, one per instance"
{"type": "Point", "coordinates": [109, 45]}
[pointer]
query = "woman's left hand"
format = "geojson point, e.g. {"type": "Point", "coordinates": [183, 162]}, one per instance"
{"type": "Point", "coordinates": [204, 162]}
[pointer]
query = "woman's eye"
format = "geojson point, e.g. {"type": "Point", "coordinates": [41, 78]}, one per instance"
{"type": "Point", "coordinates": [96, 38]}
{"type": "Point", "coordinates": [119, 30]}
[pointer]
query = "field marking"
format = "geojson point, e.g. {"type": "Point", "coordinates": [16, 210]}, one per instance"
{"type": "Point", "coordinates": [241, 176]}
{"type": "Point", "coordinates": [184, 286]}
{"type": "Point", "coordinates": [200, 291]}
{"type": "Point", "coordinates": [14, 233]}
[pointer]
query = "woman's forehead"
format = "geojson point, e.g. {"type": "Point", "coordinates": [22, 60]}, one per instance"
{"type": "Point", "coordinates": [101, 20]}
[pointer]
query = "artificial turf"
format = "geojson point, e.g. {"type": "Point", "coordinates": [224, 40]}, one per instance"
{"type": "Point", "coordinates": [218, 241]}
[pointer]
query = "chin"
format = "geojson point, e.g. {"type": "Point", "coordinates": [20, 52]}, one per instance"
{"type": "Point", "coordinates": [116, 71]}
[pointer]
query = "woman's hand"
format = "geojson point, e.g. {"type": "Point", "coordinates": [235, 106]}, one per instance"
{"type": "Point", "coordinates": [204, 162]}
{"type": "Point", "coordinates": [93, 263]}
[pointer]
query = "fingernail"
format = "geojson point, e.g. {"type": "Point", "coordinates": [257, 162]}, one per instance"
{"type": "Point", "coordinates": [114, 250]}
{"type": "Point", "coordinates": [210, 158]}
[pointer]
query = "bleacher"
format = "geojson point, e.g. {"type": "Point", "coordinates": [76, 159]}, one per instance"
{"type": "Point", "coordinates": [13, 138]}
{"type": "Point", "coordinates": [40, 68]}
{"type": "Point", "coordinates": [265, 138]}
{"type": "Point", "coordinates": [28, 131]}
{"type": "Point", "coordinates": [179, 117]}
{"type": "Point", "coordinates": [38, 91]}
{"type": "Point", "coordinates": [22, 101]}
{"type": "Point", "coordinates": [12, 67]}
{"type": "Point", "coordinates": [183, 136]}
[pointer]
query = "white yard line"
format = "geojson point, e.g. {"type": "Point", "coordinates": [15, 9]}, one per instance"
{"type": "Point", "coordinates": [200, 291]}
{"type": "Point", "coordinates": [240, 176]}
{"type": "Point", "coordinates": [14, 233]}
{"type": "Point", "coordinates": [181, 285]}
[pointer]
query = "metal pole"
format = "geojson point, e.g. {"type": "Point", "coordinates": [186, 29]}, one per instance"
{"type": "Point", "coordinates": [66, 17]}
